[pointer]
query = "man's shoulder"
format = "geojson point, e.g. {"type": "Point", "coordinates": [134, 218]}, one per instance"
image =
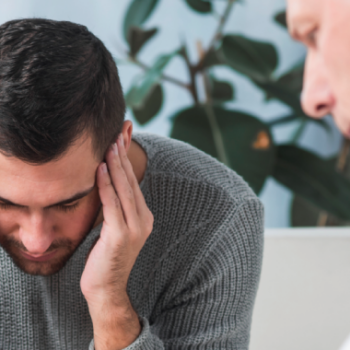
{"type": "Point", "coordinates": [178, 159]}
{"type": "Point", "coordinates": [194, 198]}
{"type": "Point", "coordinates": [204, 213]}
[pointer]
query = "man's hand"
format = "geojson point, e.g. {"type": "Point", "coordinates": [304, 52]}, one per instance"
{"type": "Point", "coordinates": [127, 224]}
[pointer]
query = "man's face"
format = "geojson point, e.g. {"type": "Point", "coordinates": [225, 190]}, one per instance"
{"type": "Point", "coordinates": [324, 27]}
{"type": "Point", "coordinates": [36, 229]}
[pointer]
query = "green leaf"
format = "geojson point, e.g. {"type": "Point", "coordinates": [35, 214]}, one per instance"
{"type": "Point", "coordinates": [137, 13]}
{"type": "Point", "coordinates": [221, 91]}
{"type": "Point", "coordinates": [298, 133]}
{"type": "Point", "coordinates": [213, 58]}
{"type": "Point", "coordinates": [146, 82]}
{"type": "Point", "coordinates": [200, 6]}
{"type": "Point", "coordinates": [138, 38]}
{"type": "Point", "coordinates": [281, 19]}
{"type": "Point", "coordinates": [293, 80]}
{"type": "Point", "coordinates": [291, 99]}
{"type": "Point", "coordinates": [284, 120]}
{"type": "Point", "coordinates": [312, 178]}
{"type": "Point", "coordinates": [295, 117]}
{"type": "Point", "coordinates": [275, 90]}
{"type": "Point", "coordinates": [303, 212]}
{"type": "Point", "coordinates": [150, 107]}
{"type": "Point", "coordinates": [255, 59]}
{"type": "Point", "coordinates": [247, 140]}
{"type": "Point", "coordinates": [306, 214]}
{"type": "Point", "coordinates": [287, 89]}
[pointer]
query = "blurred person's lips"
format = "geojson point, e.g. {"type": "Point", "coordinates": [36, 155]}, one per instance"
{"type": "Point", "coordinates": [39, 257]}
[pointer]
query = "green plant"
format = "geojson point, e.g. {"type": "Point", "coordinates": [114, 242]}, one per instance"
{"type": "Point", "coordinates": [241, 141]}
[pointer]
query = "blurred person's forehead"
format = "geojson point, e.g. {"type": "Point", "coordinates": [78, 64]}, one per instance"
{"type": "Point", "coordinates": [303, 13]}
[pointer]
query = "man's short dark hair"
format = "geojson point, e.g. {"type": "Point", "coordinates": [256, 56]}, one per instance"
{"type": "Point", "coordinates": [57, 81]}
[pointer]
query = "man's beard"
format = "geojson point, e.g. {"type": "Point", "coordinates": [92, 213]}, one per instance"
{"type": "Point", "coordinates": [56, 263]}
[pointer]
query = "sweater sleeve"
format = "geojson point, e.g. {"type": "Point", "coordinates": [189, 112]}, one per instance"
{"type": "Point", "coordinates": [214, 308]}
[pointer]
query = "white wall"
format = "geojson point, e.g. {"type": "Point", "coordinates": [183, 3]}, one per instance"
{"type": "Point", "coordinates": [251, 17]}
{"type": "Point", "coordinates": [303, 299]}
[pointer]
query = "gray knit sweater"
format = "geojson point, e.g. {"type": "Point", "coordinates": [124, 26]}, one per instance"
{"type": "Point", "coordinates": [194, 282]}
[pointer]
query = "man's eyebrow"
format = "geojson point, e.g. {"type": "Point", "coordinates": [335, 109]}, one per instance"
{"type": "Point", "coordinates": [75, 197]}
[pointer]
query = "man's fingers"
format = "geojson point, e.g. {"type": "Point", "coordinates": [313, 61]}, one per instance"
{"type": "Point", "coordinates": [122, 187]}
{"type": "Point", "coordinates": [112, 210]}
{"type": "Point", "coordinates": [140, 202]}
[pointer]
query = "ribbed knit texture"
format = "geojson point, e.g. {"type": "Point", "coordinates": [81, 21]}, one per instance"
{"type": "Point", "coordinates": [194, 282]}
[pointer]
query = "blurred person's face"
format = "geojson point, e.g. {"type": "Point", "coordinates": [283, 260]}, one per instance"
{"type": "Point", "coordinates": [31, 225]}
{"type": "Point", "coordinates": [324, 27]}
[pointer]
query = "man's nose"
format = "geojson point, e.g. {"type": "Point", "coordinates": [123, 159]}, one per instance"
{"type": "Point", "coordinates": [317, 99]}
{"type": "Point", "coordinates": [36, 234]}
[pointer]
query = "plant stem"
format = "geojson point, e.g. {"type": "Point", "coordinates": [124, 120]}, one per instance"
{"type": "Point", "coordinates": [163, 76]}
{"type": "Point", "coordinates": [217, 35]}
{"type": "Point", "coordinates": [217, 136]}
{"type": "Point", "coordinates": [192, 86]}
{"type": "Point", "coordinates": [299, 131]}
{"type": "Point", "coordinates": [218, 141]}
{"type": "Point", "coordinates": [223, 19]}
{"type": "Point", "coordinates": [208, 106]}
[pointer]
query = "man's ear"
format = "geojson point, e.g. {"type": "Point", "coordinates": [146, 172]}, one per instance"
{"type": "Point", "coordinates": [127, 132]}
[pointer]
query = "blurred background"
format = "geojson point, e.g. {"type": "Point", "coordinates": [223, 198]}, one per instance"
{"type": "Point", "coordinates": [190, 26]}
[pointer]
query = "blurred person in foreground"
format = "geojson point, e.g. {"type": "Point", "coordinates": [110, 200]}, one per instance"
{"type": "Point", "coordinates": [324, 27]}
{"type": "Point", "coordinates": [111, 239]}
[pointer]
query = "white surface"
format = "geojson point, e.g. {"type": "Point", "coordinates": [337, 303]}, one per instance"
{"type": "Point", "coordinates": [346, 344]}
{"type": "Point", "coordinates": [303, 301]}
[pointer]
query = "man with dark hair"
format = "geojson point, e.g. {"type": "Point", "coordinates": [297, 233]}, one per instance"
{"type": "Point", "coordinates": [109, 239]}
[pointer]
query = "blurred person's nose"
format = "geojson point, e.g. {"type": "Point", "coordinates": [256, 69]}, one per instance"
{"type": "Point", "coordinates": [317, 99]}
{"type": "Point", "coordinates": [36, 234]}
